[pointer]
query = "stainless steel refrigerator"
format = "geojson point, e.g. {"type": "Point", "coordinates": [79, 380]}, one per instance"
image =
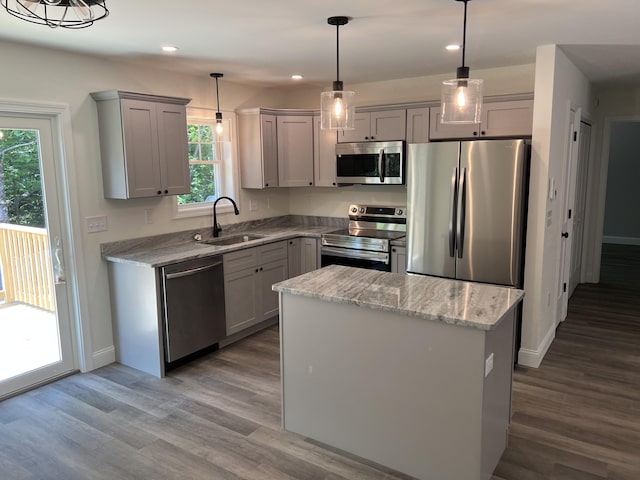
{"type": "Point", "coordinates": [466, 210]}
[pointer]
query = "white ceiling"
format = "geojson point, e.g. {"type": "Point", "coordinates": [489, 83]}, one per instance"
{"type": "Point", "coordinates": [263, 42]}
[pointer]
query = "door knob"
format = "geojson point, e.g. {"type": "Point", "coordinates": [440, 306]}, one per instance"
{"type": "Point", "coordinates": [565, 234]}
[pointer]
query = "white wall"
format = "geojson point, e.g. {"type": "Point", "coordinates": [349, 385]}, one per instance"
{"type": "Point", "coordinates": [559, 87]}
{"type": "Point", "coordinates": [35, 74]}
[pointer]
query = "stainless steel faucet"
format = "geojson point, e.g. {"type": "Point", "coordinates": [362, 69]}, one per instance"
{"type": "Point", "coordinates": [216, 226]}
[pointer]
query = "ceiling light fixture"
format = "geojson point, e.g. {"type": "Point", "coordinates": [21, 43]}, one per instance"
{"type": "Point", "coordinates": [462, 96]}
{"type": "Point", "coordinates": [219, 129]}
{"type": "Point", "coordinates": [337, 110]}
{"type": "Point", "coordinates": [297, 76]}
{"type": "Point", "coordinates": [169, 48]}
{"type": "Point", "coordinates": [73, 14]}
{"type": "Point", "coordinates": [453, 47]}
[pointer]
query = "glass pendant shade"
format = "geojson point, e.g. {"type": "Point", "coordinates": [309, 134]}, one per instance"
{"type": "Point", "coordinates": [461, 100]}
{"type": "Point", "coordinates": [337, 110]}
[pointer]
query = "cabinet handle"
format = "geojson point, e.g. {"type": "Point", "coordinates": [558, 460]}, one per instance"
{"type": "Point", "coordinates": [393, 250]}
{"type": "Point", "coordinates": [310, 183]}
{"type": "Point", "coordinates": [483, 132]}
{"type": "Point", "coordinates": [373, 138]}
{"type": "Point", "coordinates": [166, 191]}
{"type": "Point", "coordinates": [257, 270]}
{"type": "Point", "coordinates": [333, 183]}
{"type": "Point", "coordinates": [261, 269]}
{"type": "Point", "coordinates": [366, 138]}
{"type": "Point", "coordinates": [475, 133]}
{"type": "Point", "coordinates": [159, 192]}
{"type": "Point", "coordinates": [266, 184]}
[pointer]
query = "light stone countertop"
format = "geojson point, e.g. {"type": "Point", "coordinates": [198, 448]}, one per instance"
{"type": "Point", "coordinates": [160, 250]}
{"type": "Point", "coordinates": [454, 302]}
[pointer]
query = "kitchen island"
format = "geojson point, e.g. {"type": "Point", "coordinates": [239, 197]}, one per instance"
{"type": "Point", "coordinates": [410, 372]}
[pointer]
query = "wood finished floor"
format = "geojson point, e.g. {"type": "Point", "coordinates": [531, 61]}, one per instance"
{"type": "Point", "coordinates": [576, 417]}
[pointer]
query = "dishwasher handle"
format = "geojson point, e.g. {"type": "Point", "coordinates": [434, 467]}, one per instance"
{"type": "Point", "coordinates": [192, 271]}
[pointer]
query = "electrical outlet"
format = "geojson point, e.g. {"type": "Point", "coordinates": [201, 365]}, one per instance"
{"type": "Point", "coordinates": [488, 365]}
{"type": "Point", "coordinates": [148, 216]}
{"type": "Point", "coordinates": [97, 224]}
{"type": "Point", "coordinates": [253, 205]}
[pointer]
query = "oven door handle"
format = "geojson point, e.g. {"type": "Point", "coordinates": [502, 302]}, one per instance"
{"type": "Point", "coordinates": [359, 254]}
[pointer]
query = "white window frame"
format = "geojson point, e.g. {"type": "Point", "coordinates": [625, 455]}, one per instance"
{"type": "Point", "coordinates": [227, 152]}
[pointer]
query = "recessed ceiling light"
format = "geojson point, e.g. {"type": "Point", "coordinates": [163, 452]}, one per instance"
{"type": "Point", "coordinates": [297, 76]}
{"type": "Point", "coordinates": [452, 47]}
{"type": "Point", "coordinates": [169, 48]}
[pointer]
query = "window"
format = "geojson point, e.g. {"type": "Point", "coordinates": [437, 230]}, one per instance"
{"type": "Point", "coordinates": [210, 164]}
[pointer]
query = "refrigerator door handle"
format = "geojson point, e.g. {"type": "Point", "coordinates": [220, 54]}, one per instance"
{"type": "Point", "coordinates": [381, 165]}
{"type": "Point", "coordinates": [452, 213]}
{"type": "Point", "coordinates": [462, 200]}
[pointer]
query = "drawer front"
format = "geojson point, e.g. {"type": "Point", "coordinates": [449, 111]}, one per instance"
{"type": "Point", "coordinates": [272, 252]}
{"type": "Point", "coordinates": [240, 259]}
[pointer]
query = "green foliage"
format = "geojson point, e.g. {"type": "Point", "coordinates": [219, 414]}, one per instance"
{"type": "Point", "coordinates": [20, 177]}
{"type": "Point", "coordinates": [201, 152]}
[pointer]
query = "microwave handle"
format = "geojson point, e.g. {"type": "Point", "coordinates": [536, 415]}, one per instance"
{"type": "Point", "coordinates": [381, 165]}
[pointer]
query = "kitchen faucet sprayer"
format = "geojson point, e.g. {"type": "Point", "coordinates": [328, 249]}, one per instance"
{"type": "Point", "coordinates": [216, 226]}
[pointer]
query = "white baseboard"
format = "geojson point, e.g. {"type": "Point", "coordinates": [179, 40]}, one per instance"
{"type": "Point", "coordinates": [621, 240]}
{"type": "Point", "coordinates": [533, 358]}
{"type": "Point", "coordinates": [104, 357]}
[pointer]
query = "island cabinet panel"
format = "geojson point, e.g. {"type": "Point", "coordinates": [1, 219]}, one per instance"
{"type": "Point", "coordinates": [295, 151]}
{"type": "Point", "coordinates": [143, 144]}
{"type": "Point", "coordinates": [248, 277]}
{"type": "Point", "coordinates": [402, 391]}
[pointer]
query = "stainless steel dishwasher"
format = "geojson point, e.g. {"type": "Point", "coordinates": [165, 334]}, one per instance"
{"type": "Point", "coordinates": [193, 304]}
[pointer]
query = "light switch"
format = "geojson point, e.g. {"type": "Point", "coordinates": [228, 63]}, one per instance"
{"type": "Point", "coordinates": [97, 224]}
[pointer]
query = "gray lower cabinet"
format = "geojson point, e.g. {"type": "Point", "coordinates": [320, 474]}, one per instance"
{"type": "Point", "coordinates": [303, 255]}
{"type": "Point", "coordinates": [248, 276]}
{"type": "Point", "coordinates": [398, 260]}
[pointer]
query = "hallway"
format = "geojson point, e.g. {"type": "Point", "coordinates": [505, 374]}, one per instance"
{"type": "Point", "coordinates": [578, 415]}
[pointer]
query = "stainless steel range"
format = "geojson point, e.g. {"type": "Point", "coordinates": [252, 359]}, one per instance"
{"type": "Point", "coordinates": [367, 241]}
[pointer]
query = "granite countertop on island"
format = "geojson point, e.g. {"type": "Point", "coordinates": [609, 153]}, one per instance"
{"type": "Point", "coordinates": [454, 302]}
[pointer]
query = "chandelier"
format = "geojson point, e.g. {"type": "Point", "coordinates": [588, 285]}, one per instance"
{"type": "Point", "coordinates": [72, 14]}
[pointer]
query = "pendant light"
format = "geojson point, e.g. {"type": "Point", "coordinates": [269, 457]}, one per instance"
{"type": "Point", "coordinates": [219, 131]}
{"type": "Point", "coordinates": [71, 14]}
{"type": "Point", "coordinates": [337, 110]}
{"type": "Point", "coordinates": [462, 96]}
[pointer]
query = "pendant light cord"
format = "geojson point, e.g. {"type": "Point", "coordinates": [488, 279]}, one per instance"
{"type": "Point", "coordinates": [217, 96]}
{"type": "Point", "coordinates": [338, 53]}
{"type": "Point", "coordinates": [464, 31]}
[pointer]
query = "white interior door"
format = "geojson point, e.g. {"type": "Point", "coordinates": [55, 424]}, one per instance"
{"type": "Point", "coordinates": [569, 189]}
{"type": "Point", "coordinates": [580, 205]}
{"type": "Point", "coordinates": [37, 341]}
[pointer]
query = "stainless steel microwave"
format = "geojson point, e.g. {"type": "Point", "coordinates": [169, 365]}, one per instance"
{"type": "Point", "coordinates": [370, 163]}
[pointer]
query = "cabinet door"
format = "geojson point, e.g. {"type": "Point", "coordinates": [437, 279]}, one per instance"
{"type": "Point", "coordinates": [438, 130]}
{"type": "Point", "coordinates": [388, 125]}
{"type": "Point", "coordinates": [324, 155]}
{"type": "Point", "coordinates": [141, 148]}
{"type": "Point", "coordinates": [398, 260]}
{"type": "Point", "coordinates": [272, 252]}
{"type": "Point", "coordinates": [293, 257]}
{"type": "Point", "coordinates": [507, 119]}
{"type": "Point", "coordinates": [309, 255]}
{"type": "Point", "coordinates": [173, 149]}
{"type": "Point", "coordinates": [269, 140]}
{"type": "Point", "coordinates": [362, 131]}
{"type": "Point", "coordinates": [295, 151]}
{"type": "Point", "coordinates": [417, 125]}
{"type": "Point", "coordinates": [241, 297]}
{"type": "Point", "coordinates": [271, 273]}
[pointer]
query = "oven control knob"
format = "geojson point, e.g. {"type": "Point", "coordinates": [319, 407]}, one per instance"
{"type": "Point", "coordinates": [354, 210]}
{"type": "Point", "coordinates": [399, 212]}
{"type": "Point", "coordinates": [362, 210]}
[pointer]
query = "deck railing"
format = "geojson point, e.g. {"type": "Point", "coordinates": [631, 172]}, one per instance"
{"type": "Point", "coordinates": [26, 266]}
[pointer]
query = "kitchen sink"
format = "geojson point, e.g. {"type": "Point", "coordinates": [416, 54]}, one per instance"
{"type": "Point", "coordinates": [233, 239]}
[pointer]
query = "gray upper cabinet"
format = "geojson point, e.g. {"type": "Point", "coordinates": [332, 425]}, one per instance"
{"type": "Point", "coordinates": [417, 125]}
{"type": "Point", "coordinates": [498, 119]}
{"type": "Point", "coordinates": [143, 144]}
{"type": "Point", "coordinates": [324, 155]}
{"type": "Point", "coordinates": [379, 126]}
{"type": "Point", "coordinates": [295, 150]}
{"type": "Point", "coordinates": [258, 149]}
